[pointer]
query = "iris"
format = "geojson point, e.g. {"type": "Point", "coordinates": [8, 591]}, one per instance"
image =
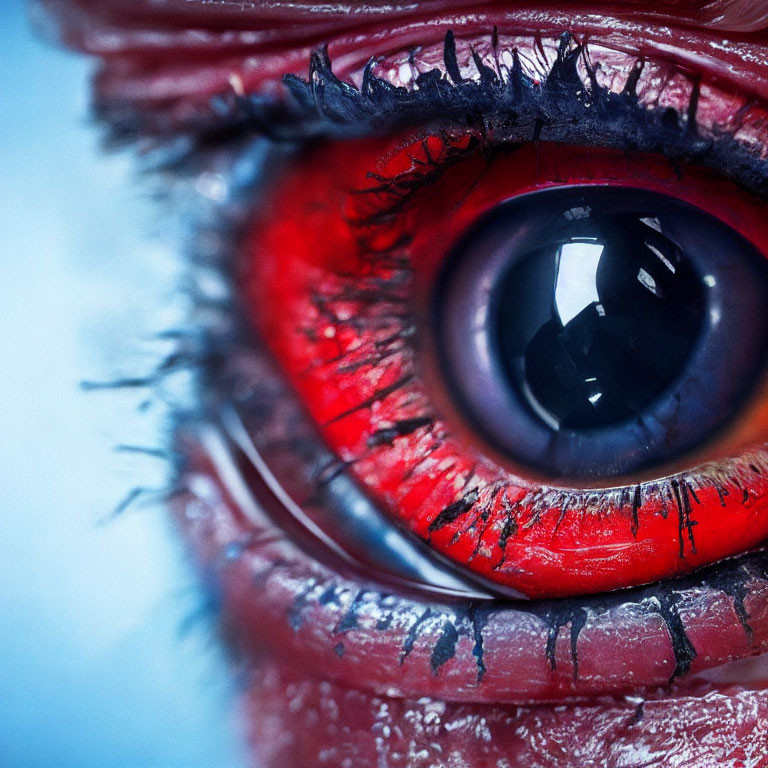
{"type": "Point", "coordinates": [593, 331]}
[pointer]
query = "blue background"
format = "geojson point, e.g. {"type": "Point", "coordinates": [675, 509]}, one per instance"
{"type": "Point", "coordinates": [95, 667]}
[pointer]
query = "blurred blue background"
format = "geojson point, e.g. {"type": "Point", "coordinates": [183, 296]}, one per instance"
{"type": "Point", "coordinates": [95, 668]}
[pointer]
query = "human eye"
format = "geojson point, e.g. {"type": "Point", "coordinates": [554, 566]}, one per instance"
{"type": "Point", "coordinates": [477, 463]}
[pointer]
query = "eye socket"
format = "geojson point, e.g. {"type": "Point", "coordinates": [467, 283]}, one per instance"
{"type": "Point", "coordinates": [592, 332]}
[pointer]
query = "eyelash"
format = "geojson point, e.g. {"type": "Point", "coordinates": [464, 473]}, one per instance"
{"type": "Point", "coordinates": [504, 106]}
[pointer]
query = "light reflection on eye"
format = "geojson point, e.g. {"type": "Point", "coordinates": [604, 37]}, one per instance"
{"type": "Point", "coordinates": [342, 325]}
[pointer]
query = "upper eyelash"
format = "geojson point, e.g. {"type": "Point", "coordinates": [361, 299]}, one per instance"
{"type": "Point", "coordinates": [503, 105]}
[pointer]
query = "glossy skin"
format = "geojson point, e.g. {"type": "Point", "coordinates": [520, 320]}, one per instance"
{"type": "Point", "coordinates": [383, 649]}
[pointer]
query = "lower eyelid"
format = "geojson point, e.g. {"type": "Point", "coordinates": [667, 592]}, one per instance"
{"type": "Point", "coordinates": [276, 596]}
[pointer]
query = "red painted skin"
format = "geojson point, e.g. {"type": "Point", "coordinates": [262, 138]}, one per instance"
{"type": "Point", "coordinates": [307, 259]}
{"type": "Point", "coordinates": [161, 60]}
{"type": "Point", "coordinates": [721, 729]}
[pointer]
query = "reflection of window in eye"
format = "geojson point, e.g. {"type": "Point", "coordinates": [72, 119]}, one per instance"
{"type": "Point", "coordinates": [411, 425]}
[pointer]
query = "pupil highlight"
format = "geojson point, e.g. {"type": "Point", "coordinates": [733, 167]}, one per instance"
{"type": "Point", "coordinates": [595, 323]}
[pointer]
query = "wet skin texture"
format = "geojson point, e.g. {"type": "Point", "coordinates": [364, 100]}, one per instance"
{"type": "Point", "coordinates": [354, 660]}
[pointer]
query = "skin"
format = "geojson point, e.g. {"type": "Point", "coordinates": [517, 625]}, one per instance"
{"type": "Point", "coordinates": [389, 692]}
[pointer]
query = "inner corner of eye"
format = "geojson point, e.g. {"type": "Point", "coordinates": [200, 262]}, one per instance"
{"type": "Point", "coordinates": [558, 384]}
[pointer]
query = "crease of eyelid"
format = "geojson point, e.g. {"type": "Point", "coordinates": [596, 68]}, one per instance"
{"type": "Point", "coordinates": [727, 15]}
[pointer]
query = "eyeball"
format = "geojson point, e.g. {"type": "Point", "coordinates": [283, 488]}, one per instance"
{"type": "Point", "coordinates": [590, 332]}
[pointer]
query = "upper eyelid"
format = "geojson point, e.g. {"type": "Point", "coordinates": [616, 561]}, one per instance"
{"type": "Point", "coordinates": [158, 81]}
{"type": "Point", "coordinates": [717, 113]}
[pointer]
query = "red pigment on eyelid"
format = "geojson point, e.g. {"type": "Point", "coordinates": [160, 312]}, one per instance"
{"type": "Point", "coordinates": [336, 264]}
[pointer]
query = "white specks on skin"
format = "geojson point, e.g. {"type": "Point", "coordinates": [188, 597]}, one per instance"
{"type": "Point", "coordinates": [462, 722]}
{"type": "Point", "coordinates": [406, 74]}
{"type": "Point", "coordinates": [482, 732]}
{"type": "Point", "coordinates": [236, 83]}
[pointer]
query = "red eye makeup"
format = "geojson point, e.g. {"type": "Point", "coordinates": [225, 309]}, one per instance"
{"type": "Point", "coordinates": [361, 347]}
{"type": "Point", "coordinates": [478, 465]}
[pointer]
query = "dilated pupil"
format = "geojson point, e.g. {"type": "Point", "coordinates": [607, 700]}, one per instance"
{"type": "Point", "coordinates": [595, 323]}
{"type": "Point", "coordinates": [590, 332]}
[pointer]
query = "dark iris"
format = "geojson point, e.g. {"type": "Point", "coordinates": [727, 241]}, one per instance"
{"type": "Point", "coordinates": [593, 331]}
